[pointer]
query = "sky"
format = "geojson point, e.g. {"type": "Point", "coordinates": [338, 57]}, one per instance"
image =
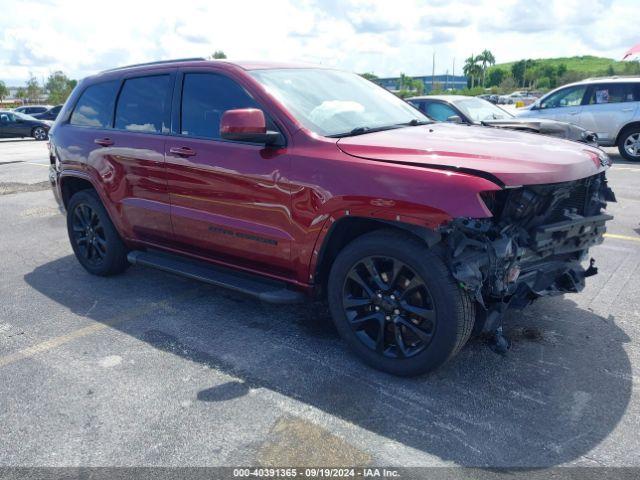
{"type": "Point", "coordinates": [384, 37]}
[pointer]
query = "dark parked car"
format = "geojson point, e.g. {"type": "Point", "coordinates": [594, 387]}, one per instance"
{"type": "Point", "coordinates": [477, 111]}
{"type": "Point", "coordinates": [31, 109]}
{"type": "Point", "coordinates": [50, 114]}
{"type": "Point", "coordinates": [16, 124]}
{"type": "Point", "coordinates": [287, 182]}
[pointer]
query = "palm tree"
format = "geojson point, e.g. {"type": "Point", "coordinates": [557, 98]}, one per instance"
{"type": "Point", "coordinates": [471, 69]}
{"type": "Point", "coordinates": [487, 58]}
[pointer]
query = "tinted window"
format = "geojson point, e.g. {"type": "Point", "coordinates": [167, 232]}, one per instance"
{"type": "Point", "coordinates": [568, 97]}
{"type": "Point", "coordinates": [439, 111]}
{"type": "Point", "coordinates": [95, 106]}
{"type": "Point", "coordinates": [205, 97]}
{"type": "Point", "coordinates": [613, 93]}
{"type": "Point", "coordinates": [142, 105]}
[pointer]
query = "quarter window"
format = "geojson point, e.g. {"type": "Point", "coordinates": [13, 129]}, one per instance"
{"type": "Point", "coordinates": [95, 106]}
{"type": "Point", "coordinates": [142, 105]}
{"type": "Point", "coordinates": [205, 97]}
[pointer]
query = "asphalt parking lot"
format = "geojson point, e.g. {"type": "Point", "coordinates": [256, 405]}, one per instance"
{"type": "Point", "coordinates": [151, 369]}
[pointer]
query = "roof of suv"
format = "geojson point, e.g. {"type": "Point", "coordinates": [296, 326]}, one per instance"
{"type": "Point", "coordinates": [189, 62]}
{"type": "Point", "coordinates": [615, 79]}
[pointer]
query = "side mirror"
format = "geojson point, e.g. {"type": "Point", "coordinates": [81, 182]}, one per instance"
{"type": "Point", "coordinates": [248, 125]}
{"type": "Point", "coordinates": [454, 119]}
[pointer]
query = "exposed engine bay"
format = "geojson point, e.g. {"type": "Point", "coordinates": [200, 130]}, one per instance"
{"type": "Point", "coordinates": [533, 246]}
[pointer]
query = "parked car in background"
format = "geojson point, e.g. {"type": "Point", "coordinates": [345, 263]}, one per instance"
{"type": "Point", "coordinates": [15, 125]}
{"type": "Point", "coordinates": [31, 109]}
{"type": "Point", "coordinates": [610, 107]}
{"type": "Point", "coordinates": [50, 114]}
{"type": "Point", "coordinates": [525, 97]}
{"type": "Point", "coordinates": [476, 111]}
{"type": "Point", "coordinates": [286, 181]}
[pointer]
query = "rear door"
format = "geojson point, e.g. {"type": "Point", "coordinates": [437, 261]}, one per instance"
{"type": "Point", "coordinates": [229, 200]}
{"type": "Point", "coordinates": [608, 107]}
{"type": "Point", "coordinates": [115, 134]}
{"type": "Point", "coordinates": [142, 120]}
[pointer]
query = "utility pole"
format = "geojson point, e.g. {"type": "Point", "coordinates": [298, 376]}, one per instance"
{"type": "Point", "coordinates": [433, 70]}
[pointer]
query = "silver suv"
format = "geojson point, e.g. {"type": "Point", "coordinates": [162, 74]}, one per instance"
{"type": "Point", "coordinates": [608, 106]}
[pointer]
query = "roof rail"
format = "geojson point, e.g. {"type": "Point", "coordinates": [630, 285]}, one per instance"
{"type": "Point", "coordinates": [159, 62]}
{"type": "Point", "coordinates": [611, 77]}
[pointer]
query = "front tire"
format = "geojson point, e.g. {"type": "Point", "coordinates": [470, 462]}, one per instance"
{"type": "Point", "coordinates": [39, 134]}
{"type": "Point", "coordinates": [395, 303]}
{"type": "Point", "coordinates": [94, 239]}
{"type": "Point", "coordinates": [629, 144]}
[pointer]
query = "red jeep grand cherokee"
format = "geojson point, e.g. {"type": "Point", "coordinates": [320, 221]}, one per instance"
{"type": "Point", "coordinates": [285, 181]}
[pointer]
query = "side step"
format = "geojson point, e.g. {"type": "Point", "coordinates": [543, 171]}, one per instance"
{"type": "Point", "coordinates": [267, 290]}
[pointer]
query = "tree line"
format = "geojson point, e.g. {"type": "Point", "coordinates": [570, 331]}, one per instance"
{"type": "Point", "coordinates": [56, 88]}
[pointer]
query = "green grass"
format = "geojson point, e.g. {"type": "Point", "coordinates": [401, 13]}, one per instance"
{"type": "Point", "coordinates": [587, 65]}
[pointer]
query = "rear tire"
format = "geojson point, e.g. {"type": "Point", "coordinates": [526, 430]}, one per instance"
{"type": "Point", "coordinates": [395, 303]}
{"type": "Point", "coordinates": [39, 134]}
{"type": "Point", "coordinates": [629, 143]}
{"type": "Point", "coordinates": [94, 239]}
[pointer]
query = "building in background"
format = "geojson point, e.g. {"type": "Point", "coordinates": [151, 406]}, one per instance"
{"type": "Point", "coordinates": [441, 82]}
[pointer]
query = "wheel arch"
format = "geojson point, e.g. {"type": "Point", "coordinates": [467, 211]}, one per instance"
{"type": "Point", "coordinates": [346, 229]}
{"type": "Point", "coordinates": [72, 184]}
{"type": "Point", "coordinates": [635, 124]}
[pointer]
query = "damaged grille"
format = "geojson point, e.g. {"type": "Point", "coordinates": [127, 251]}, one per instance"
{"type": "Point", "coordinates": [533, 245]}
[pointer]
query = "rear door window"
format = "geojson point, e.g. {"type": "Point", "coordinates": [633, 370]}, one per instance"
{"type": "Point", "coordinates": [612, 93]}
{"type": "Point", "coordinates": [205, 97]}
{"type": "Point", "coordinates": [143, 104]}
{"type": "Point", "coordinates": [95, 106]}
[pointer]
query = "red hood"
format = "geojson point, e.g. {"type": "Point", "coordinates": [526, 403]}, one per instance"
{"type": "Point", "coordinates": [514, 158]}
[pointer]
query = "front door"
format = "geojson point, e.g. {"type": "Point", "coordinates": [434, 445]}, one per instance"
{"type": "Point", "coordinates": [229, 200]}
{"type": "Point", "coordinates": [565, 105]}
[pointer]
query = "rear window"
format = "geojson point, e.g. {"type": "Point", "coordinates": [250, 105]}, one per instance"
{"type": "Point", "coordinates": [613, 93]}
{"type": "Point", "coordinates": [142, 105]}
{"type": "Point", "coordinates": [95, 105]}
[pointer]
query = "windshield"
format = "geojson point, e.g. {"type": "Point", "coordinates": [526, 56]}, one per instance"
{"type": "Point", "coordinates": [479, 110]}
{"type": "Point", "coordinates": [24, 116]}
{"type": "Point", "coordinates": [335, 103]}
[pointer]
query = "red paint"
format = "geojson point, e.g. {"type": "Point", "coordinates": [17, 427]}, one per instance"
{"type": "Point", "coordinates": [243, 120]}
{"type": "Point", "coordinates": [267, 209]}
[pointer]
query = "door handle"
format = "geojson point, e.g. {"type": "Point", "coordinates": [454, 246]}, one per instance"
{"type": "Point", "coordinates": [627, 109]}
{"type": "Point", "coordinates": [575, 112]}
{"type": "Point", "coordinates": [182, 151]}
{"type": "Point", "coordinates": [105, 142]}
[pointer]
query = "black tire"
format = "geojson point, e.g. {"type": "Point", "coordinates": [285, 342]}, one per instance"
{"type": "Point", "coordinates": [39, 133]}
{"type": "Point", "coordinates": [452, 310]}
{"type": "Point", "coordinates": [628, 138]}
{"type": "Point", "coordinates": [94, 239]}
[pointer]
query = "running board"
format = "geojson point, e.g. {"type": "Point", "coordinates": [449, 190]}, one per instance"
{"type": "Point", "coordinates": [270, 291]}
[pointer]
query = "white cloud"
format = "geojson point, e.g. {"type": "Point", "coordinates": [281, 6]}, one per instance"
{"type": "Point", "coordinates": [82, 37]}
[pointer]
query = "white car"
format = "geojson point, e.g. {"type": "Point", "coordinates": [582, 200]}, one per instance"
{"type": "Point", "coordinates": [610, 107]}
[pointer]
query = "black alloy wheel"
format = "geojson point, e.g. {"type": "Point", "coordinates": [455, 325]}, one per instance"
{"type": "Point", "coordinates": [94, 239]}
{"type": "Point", "coordinates": [389, 307]}
{"type": "Point", "coordinates": [89, 234]}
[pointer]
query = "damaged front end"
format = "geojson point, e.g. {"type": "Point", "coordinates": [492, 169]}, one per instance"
{"type": "Point", "coordinates": [533, 246]}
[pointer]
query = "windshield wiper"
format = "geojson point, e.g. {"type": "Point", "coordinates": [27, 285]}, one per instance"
{"type": "Point", "coordinates": [364, 129]}
{"type": "Point", "coordinates": [414, 122]}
